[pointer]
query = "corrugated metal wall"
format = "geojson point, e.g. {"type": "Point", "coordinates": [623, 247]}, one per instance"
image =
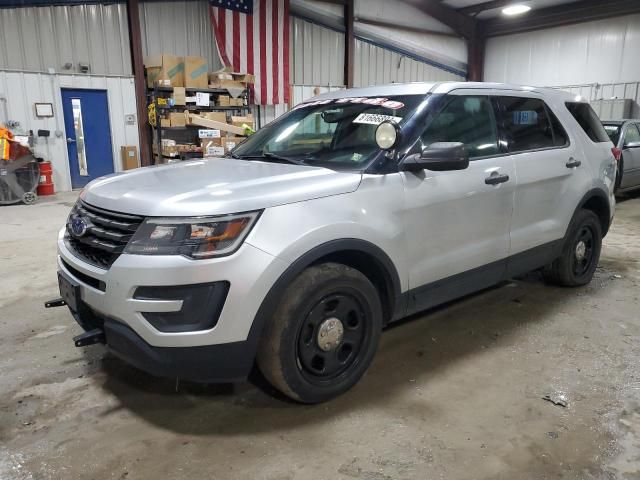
{"type": "Point", "coordinates": [376, 65]}
{"type": "Point", "coordinates": [317, 54]}
{"type": "Point", "coordinates": [22, 90]}
{"type": "Point", "coordinates": [605, 51]}
{"type": "Point", "coordinates": [179, 28]}
{"type": "Point", "coordinates": [39, 38]}
{"type": "Point", "coordinates": [595, 92]}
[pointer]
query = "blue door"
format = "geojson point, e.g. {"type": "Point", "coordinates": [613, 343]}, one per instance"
{"type": "Point", "coordinates": [88, 134]}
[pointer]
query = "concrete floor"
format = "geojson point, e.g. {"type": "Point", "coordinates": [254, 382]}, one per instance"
{"type": "Point", "coordinates": [456, 394]}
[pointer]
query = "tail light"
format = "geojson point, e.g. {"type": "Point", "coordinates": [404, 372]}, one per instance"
{"type": "Point", "coordinates": [617, 153]}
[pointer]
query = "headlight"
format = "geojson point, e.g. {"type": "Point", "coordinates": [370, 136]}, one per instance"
{"type": "Point", "coordinates": [201, 237]}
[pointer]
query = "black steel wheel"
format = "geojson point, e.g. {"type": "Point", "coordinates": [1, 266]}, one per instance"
{"type": "Point", "coordinates": [331, 337]}
{"type": "Point", "coordinates": [323, 335]}
{"type": "Point", "coordinates": [580, 254]}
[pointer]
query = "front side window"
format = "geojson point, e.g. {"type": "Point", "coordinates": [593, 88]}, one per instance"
{"type": "Point", "coordinates": [337, 133]}
{"type": "Point", "coordinates": [530, 125]}
{"type": "Point", "coordinates": [466, 119]}
{"type": "Point", "coordinates": [588, 120]}
{"type": "Point", "coordinates": [632, 135]}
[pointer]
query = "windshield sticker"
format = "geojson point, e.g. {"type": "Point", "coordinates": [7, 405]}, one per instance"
{"type": "Point", "coordinates": [375, 119]}
{"type": "Point", "coordinates": [382, 102]}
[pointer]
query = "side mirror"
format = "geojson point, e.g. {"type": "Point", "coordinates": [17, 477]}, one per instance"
{"type": "Point", "coordinates": [438, 157]}
{"type": "Point", "coordinates": [387, 135]}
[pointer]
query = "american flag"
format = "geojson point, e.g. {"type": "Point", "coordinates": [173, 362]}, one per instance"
{"type": "Point", "coordinates": [252, 36]}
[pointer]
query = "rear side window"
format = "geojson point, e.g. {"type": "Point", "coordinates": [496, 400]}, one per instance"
{"type": "Point", "coordinates": [588, 120]}
{"type": "Point", "coordinates": [530, 125]}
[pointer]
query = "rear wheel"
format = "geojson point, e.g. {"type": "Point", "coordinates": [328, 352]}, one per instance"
{"type": "Point", "coordinates": [324, 334]}
{"type": "Point", "coordinates": [580, 254]}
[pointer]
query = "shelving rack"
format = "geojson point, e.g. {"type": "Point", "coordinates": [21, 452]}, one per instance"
{"type": "Point", "coordinates": [188, 131]}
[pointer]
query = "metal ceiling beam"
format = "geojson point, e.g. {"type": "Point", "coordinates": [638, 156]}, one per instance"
{"type": "Point", "coordinates": [458, 22]}
{"type": "Point", "coordinates": [561, 15]}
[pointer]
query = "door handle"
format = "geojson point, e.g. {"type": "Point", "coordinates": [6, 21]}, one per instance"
{"type": "Point", "coordinates": [496, 179]}
{"type": "Point", "coordinates": [70, 140]}
{"type": "Point", "coordinates": [573, 163]}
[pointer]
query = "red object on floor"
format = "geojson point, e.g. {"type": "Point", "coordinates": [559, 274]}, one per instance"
{"type": "Point", "coordinates": [45, 185]}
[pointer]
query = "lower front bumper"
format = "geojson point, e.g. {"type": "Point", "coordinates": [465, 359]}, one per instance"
{"type": "Point", "coordinates": [227, 362]}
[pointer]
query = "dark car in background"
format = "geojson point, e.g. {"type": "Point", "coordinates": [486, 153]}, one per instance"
{"type": "Point", "coordinates": [625, 135]}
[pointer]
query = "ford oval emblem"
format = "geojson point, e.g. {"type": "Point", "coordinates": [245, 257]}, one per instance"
{"type": "Point", "coordinates": [79, 226]}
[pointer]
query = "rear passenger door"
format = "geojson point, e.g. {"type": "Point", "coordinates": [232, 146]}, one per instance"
{"type": "Point", "coordinates": [551, 178]}
{"type": "Point", "coordinates": [631, 156]}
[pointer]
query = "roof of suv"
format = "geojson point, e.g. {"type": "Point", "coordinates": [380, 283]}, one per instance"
{"type": "Point", "coordinates": [422, 88]}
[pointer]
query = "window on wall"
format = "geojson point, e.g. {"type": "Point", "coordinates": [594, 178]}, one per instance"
{"type": "Point", "coordinates": [530, 125]}
{"type": "Point", "coordinates": [466, 119]}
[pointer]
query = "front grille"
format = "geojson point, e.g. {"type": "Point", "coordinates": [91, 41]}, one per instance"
{"type": "Point", "coordinates": [106, 236]}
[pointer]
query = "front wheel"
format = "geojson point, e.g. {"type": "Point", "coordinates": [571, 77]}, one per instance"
{"type": "Point", "coordinates": [580, 254]}
{"type": "Point", "coordinates": [323, 335]}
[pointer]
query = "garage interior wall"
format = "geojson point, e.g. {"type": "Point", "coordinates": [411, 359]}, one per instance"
{"type": "Point", "coordinates": [599, 60]}
{"type": "Point", "coordinates": [20, 90]}
{"type": "Point", "coordinates": [179, 28]}
{"type": "Point", "coordinates": [37, 42]}
{"type": "Point", "coordinates": [39, 38]}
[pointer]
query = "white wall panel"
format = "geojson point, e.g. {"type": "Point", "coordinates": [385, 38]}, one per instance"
{"type": "Point", "coordinates": [375, 65]}
{"type": "Point", "coordinates": [178, 28]}
{"type": "Point", "coordinates": [21, 90]}
{"type": "Point", "coordinates": [39, 38]}
{"type": "Point", "coordinates": [605, 51]}
{"type": "Point", "coordinates": [317, 54]}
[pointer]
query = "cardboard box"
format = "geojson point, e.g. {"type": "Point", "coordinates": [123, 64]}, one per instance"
{"type": "Point", "coordinates": [177, 119]}
{"type": "Point", "coordinates": [229, 143]}
{"type": "Point", "coordinates": [179, 96]}
{"type": "Point", "coordinates": [243, 77]}
{"type": "Point", "coordinates": [224, 100]}
{"type": "Point", "coordinates": [165, 122]}
{"type": "Point", "coordinates": [212, 124]}
{"type": "Point", "coordinates": [238, 121]}
{"type": "Point", "coordinates": [163, 68]}
{"type": "Point", "coordinates": [196, 72]}
{"type": "Point", "coordinates": [129, 156]}
{"type": "Point", "coordinates": [217, 116]}
{"type": "Point", "coordinates": [211, 149]}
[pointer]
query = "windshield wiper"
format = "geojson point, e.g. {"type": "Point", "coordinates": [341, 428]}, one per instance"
{"type": "Point", "coordinates": [273, 156]}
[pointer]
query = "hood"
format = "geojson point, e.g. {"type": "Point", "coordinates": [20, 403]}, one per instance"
{"type": "Point", "coordinates": [215, 186]}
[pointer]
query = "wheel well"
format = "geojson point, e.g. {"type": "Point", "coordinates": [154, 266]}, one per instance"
{"type": "Point", "coordinates": [373, 269]}
{"type": "Point", "coordinates": [600, 207]}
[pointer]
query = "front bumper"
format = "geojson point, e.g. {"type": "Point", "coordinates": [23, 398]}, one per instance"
{"type": "Point", "coordinates": [228, 362]}
{"type": "Point", "coordinates": [223, 352]}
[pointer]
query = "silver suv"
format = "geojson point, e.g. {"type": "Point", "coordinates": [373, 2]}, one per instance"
{"type": "Point", "coordinates": [353, 210]}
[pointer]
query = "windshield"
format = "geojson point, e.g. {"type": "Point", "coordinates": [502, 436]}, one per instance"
{"type": "Point", "coordinates": [337, 133]}
{"type": "Point", "coordinates": [614, 132]}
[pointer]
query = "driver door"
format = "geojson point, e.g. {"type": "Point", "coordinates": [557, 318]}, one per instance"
{"type": "Point", "coordinates": [457, 222]}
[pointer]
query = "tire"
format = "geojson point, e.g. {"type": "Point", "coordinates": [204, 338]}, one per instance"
{"type": "Point", "coordinates": [580, 253]}
{"type": "Point", "coordinates": [291, 355]}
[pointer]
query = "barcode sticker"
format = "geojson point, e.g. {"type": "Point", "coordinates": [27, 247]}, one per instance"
{"type": "Point", "coordinates": [375, 119]}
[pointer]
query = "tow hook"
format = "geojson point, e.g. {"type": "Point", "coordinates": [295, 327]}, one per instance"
{"type": "Point", "coordinates": [56, 302]}
{"type": "Point", "coordinates": [89, 338]}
